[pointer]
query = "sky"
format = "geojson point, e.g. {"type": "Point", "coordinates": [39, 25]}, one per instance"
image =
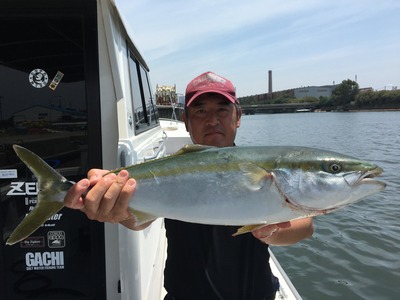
{"type": "Point", "coordinates": [303, 43]}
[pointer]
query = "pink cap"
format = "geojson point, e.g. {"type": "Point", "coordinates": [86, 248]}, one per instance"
{"type": "Point", "coordinates": [210, 82]}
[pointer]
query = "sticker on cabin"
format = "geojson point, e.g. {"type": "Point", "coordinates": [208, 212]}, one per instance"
{"type": "Point", "coordinates": [33, 242]}
{"type": "Point", "coordinates": [38, 78]}
{"type": "Point", "coordinates": [8, 174]}
{"type": "Point", "coordinates": [56, 239]}
{"type": "Point", "coordinates": [56, 80]}
{"type": "Point", "coordinates": [49, 260]}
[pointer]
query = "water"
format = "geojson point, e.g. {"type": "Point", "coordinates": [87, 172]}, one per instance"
{"type": "Point", "coordinates": [354, 252]}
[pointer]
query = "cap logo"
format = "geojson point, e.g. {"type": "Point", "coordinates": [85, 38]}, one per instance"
{"type": "Point", "coordinates": [210, 82]}
{"type": "Point", "coordinates": [209, 77]}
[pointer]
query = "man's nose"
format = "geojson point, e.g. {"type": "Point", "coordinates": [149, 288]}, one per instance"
{"type": "Point", "coordinates": [212, 118]}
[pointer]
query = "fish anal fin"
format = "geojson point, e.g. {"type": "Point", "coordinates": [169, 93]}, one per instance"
{"type": "Point", "coordinates": [142, 217]}
{"type": "Point", "coordinates": [255, 176]}
{"type": "Point", "coordinates": [247, 228]}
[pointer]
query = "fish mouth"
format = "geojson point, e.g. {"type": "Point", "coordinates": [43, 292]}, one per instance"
{"type": "Point", "coordinates": [367, 177]}
{"type": "Point", "coordinates": [373, 173]}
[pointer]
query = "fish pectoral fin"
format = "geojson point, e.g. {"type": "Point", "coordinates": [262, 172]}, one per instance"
{"type": "Point", "coordinates": [192, 148]}
{"type": "Point", "coordinates": [255, 176]}
{"type": "Point", "coordinates": [142, 217]}
{"type": "Point", "coordinates": [248, 228]}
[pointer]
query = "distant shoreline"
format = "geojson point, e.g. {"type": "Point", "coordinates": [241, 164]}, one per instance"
{"type": "Point", "coordinates": [360, 110]}
{"type": "Point", "coordinates": [375, 109]}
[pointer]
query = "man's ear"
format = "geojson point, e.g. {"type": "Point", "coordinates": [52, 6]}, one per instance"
{"type": "Point", "coordinates": [184, 118]}
{"type": "Point", "coordinates": [239, 117]}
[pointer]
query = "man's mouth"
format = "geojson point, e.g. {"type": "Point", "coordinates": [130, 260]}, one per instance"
{"type": "Point", "coordinates": [209, 133]}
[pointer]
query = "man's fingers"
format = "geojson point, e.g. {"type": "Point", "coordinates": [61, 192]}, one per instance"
{"type": "Point", "coordinates": [94, 197]}
{"type": "Point", "coordinates": [265, 231]}
{"type": "Point", "coordinates": [95, 175]}
{"type": "Point", "coordinates": [284, 224]}
{"type": "Point", "coordinates": [268, 230]}
{"type": "Point", "coordinates": [73, 198]}
{"type": "Point", "coordinates": [121, 210]}
{"type": "Point", "coordinates": [112, 204]}
{"type": "Point", "coordinates": [107, 200]}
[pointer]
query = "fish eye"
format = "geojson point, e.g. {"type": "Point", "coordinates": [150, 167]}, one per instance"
{"type": "Point", "coordinates": [335, 167]}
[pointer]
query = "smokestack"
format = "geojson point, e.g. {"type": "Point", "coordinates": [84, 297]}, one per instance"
{"type": "Point", "coordinates": [270, 82]}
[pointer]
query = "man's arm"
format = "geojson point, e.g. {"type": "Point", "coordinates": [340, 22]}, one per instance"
{"type": "Point", "coordinates": [286, 233]}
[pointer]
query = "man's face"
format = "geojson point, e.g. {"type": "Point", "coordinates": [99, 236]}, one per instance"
{"type": "Point", "coordinates": [212, 120]}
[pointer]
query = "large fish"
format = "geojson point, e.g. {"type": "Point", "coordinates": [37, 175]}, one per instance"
{"type": "Point", "coordinates": [245, 186]}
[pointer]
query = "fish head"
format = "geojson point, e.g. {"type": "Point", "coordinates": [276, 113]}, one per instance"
{"type": "Point", "coordinates": [326, 181]}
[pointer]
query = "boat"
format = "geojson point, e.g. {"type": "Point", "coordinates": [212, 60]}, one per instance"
{"type": "Point", "coordinates": [303, 110]}
{"type": "Point", "coordinates": [76, 91]}
{"type": "Point", "coordinates": [286, 288]}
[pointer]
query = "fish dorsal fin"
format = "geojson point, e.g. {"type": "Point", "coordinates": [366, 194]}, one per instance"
{"type": "Point", "coordinates": [254, 176]}
{"type": "Point", "coordinates": [192, 148]}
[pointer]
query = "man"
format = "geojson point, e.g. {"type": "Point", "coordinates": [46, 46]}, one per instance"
{"type": "Point", "coordinates": [203, 261]}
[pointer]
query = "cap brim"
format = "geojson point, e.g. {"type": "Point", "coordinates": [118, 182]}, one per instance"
{"type": "Point", "coordinates": [228, 96]}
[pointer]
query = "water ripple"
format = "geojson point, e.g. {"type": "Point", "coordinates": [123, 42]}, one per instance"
{"type": "Point", "coordinates": [354, 252]}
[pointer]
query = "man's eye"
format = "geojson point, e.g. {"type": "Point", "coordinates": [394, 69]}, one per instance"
{"type": "Point", "coordinates": [224, 110]}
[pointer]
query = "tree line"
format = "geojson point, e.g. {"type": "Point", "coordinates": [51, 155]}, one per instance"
{"type": "Point", "coordinates": [347, 95]}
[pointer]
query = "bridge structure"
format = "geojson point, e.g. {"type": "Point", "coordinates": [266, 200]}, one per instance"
{"type": "Point", "coordinates": [251, 109]}
{"type": "Point", "coordinates": [173, 112]}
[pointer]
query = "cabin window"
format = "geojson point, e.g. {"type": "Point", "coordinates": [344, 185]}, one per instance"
{"type": "Point", "coordinates": [43, 104]}
{"type": "Point", "coordinates": [145, 113]}
{"type": "Point", "coordinates": [151, 111]}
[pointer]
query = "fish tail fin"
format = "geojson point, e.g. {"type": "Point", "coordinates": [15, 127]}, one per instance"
{"type": "Point", "coordinates": [52, 188]}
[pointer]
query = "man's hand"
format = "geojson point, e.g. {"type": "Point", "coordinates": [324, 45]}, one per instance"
{"type": "Point", "coordinates": [108, 198]}
{"type": "Point", "coordinates": [286, 233]}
